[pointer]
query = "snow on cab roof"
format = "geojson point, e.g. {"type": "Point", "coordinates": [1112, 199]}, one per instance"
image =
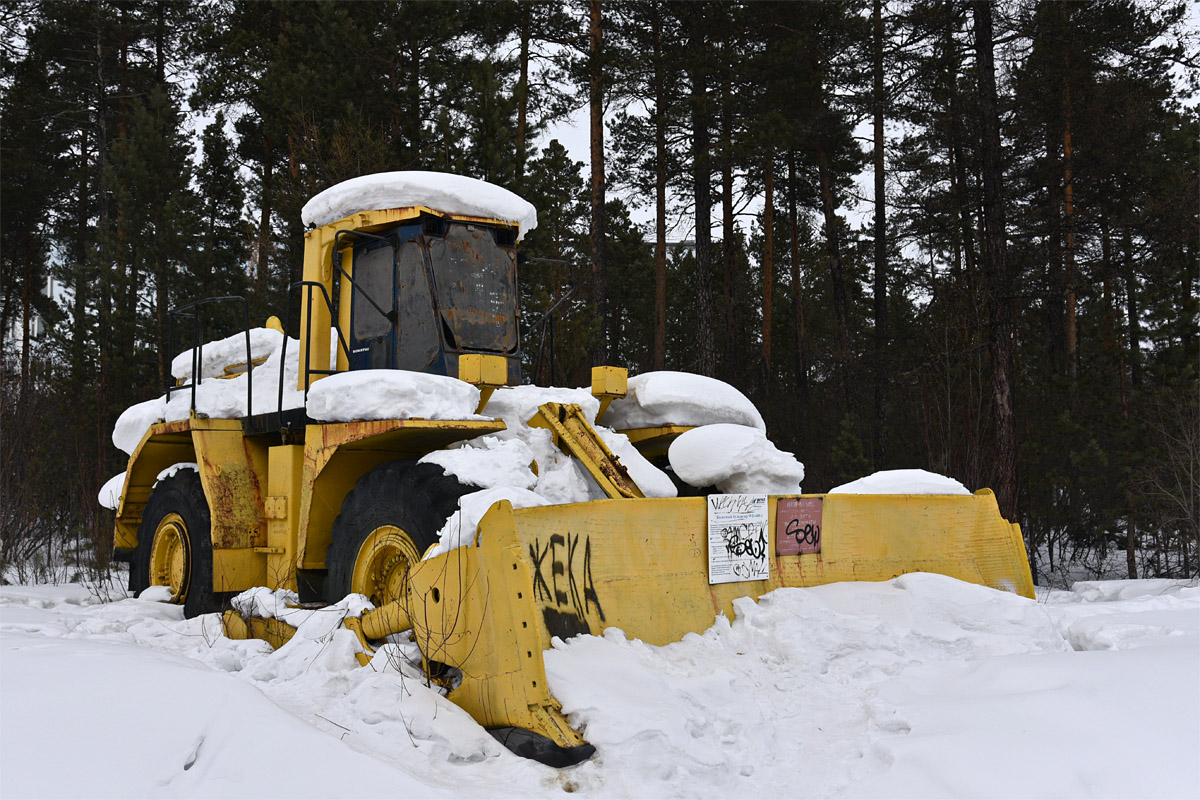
{"type": "Point", "coordinates": [441, 191]}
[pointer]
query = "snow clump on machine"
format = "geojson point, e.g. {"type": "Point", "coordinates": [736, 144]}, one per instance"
{"type": "Point", "coordinates": [521, 464]}
{"type": "Point", "coordinates": [681, 398]}
{"type": "Point", "coordinates": [109, 495]}
{"type": "Point", "coordinates": [460, 528]}
{"type": "Point", "coordinates": [364, 394]}
{"type": "Point", "coordinates": [391, 394]}
{"type": "Point", "coordinates": [218, 398]}
{"type": "Point", "coordinates": [216, 356]}
{"type": "Point", "coordinates": [735, 459]}
{"type": "Point", "coordinates": [902, 481]}
{"type": "Point", "coordinates": [449, 194]}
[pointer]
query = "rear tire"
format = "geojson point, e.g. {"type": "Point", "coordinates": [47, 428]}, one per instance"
{"type": "Point", "coordinates": [388, 520]}
{"type": "Point", "coordinates": [174, 546]}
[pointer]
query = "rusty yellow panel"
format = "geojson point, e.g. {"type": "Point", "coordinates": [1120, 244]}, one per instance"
{"type": "Point", "coordinates": [164, 444]}
{"type": "Point", "coordinates": [271, 631]}
{"type": "Point", "coordinates": [878, 537]}
{"type": "Point", "coordinates": [636, 563]}
{"type": "Point", "coordinates": [483, 370]}
{"type": "Point", "coordinates": [233, 470]}
{"type": "Point", "coordinates": [238, 569]}
{"type": "Point", "coordinates": [642, 565]}
{"type": "Point", "coordinates": [610, 381]}
{"type": "Point", "coordinates": [327, 478]}
{"type": "Point", "coordinates": [403, 437]}
{"type": "Point", "coordinates": [286, 467]}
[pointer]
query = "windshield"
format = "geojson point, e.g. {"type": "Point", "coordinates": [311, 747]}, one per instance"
{"type": "Point", "coordinates": [477, 288]}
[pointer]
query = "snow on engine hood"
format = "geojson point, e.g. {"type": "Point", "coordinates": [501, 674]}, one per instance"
{"type": "Point", "coordinates": [441, 191]}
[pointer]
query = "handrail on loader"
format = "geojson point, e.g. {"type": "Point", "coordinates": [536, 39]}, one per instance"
{"type": "Point", "coordinates": [198, 345]}
{"type": "Point", "coordinates": [308, 370]}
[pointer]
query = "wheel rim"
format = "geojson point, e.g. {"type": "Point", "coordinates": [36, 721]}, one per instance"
{"type": "Point", "coordinates": [170, 557]}
{"type": "Point", "coordinates": [381, 568]}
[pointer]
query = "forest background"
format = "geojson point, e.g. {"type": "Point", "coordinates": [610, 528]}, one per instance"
{"type": "Point", "coordinates": [1018, 310]}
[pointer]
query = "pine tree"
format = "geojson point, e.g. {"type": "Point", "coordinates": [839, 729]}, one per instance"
{"type": "Point", "coordinates": [219, 263]}
{"type": "Point", "coordinates": [556, 330]}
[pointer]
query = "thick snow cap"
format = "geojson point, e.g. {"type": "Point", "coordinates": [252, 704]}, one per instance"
{"type": "Point", "coordinates": [441, 191]}
{"type": "Point", "coordinates": [225, 352]}
{"type": "Point", "coordinates": [902, 481]}
{"type": "Point", "coordinates": [681, 398]}
{"type": "Point", "coordinates": [736, 459]}
{"type": "Point", "coordinates": [391, 394]}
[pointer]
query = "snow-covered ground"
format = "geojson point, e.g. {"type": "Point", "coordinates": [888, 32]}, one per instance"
{"type": "Point", "coordinates": [919, 687]}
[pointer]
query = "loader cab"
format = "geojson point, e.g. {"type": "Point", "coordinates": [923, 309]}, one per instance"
{"type": "Point", "coordinates": [430, 290]}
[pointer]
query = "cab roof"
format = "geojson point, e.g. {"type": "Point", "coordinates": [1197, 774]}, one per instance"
{"type": "Point", "coordinates": [439, 191]}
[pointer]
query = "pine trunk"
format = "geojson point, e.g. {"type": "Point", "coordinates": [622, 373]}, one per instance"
{"type": "Point", "coordinates": [881, 267]}
{"type": "Point", "coordinates": [660, 201]}
{"type": "Point", "coordinates": [522, 93]}
{"type": "Point", "coordinates": [1131, 311]}
{"type": "Point", "coordinates": [26, 312]}
{"type": "Point", "coordinates": [837, 277]}
{"type": "Point", "coordinates": [958, 172]}
{"type": "Point", "coordinates": [768, 266]}
{"type": "Point", "coordinates": [1000, 332]}
{"type": "Point", "coordinates": [596, 106]}
{"type": "Point", "coordinates": [706, 356]}
{"type": "Point", "coordinates": [79, 302]}
{"type": "Point", "coordinates": [262, 269]}
{"type": "Point", "coordinates": [727, 228]}
{"type": "Point", "coordinates": [1056, 292]}
{"type": "Point", "coordinates": [1069, 275]}
{"type": "Point", "coordinates": [797, 290]}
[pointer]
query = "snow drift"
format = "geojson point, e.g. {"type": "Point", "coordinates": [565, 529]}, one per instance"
{"type": "Point", "coordinates": [922, 686]}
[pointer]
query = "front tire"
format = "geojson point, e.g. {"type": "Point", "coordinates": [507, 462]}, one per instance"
{"type": "Point", "coordinates": [388, 520]}
{"type": "Point", "coordinates": [174, 546]}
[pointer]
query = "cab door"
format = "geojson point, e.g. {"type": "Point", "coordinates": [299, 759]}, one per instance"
{"type": "Point", "coordinates": [418, 344]}
{"type": "Point", "coordinates": [373, 307]}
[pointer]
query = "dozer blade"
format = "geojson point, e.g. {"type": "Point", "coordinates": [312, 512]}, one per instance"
{"type": "Point", "coordinates": [642, 566]}
{"type": "Point", "coordinates": [484, 614]}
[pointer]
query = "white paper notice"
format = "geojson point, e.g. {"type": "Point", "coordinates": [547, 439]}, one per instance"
{"type": "Point", "coordinates": [737, 538]}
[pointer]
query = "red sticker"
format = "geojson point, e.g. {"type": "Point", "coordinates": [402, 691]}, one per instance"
{"type": "Point", "coordinates": [797, 526]}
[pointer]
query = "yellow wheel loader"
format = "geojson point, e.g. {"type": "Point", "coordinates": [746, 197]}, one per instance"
{"type": "Point", "coordinates": [326, 509]}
